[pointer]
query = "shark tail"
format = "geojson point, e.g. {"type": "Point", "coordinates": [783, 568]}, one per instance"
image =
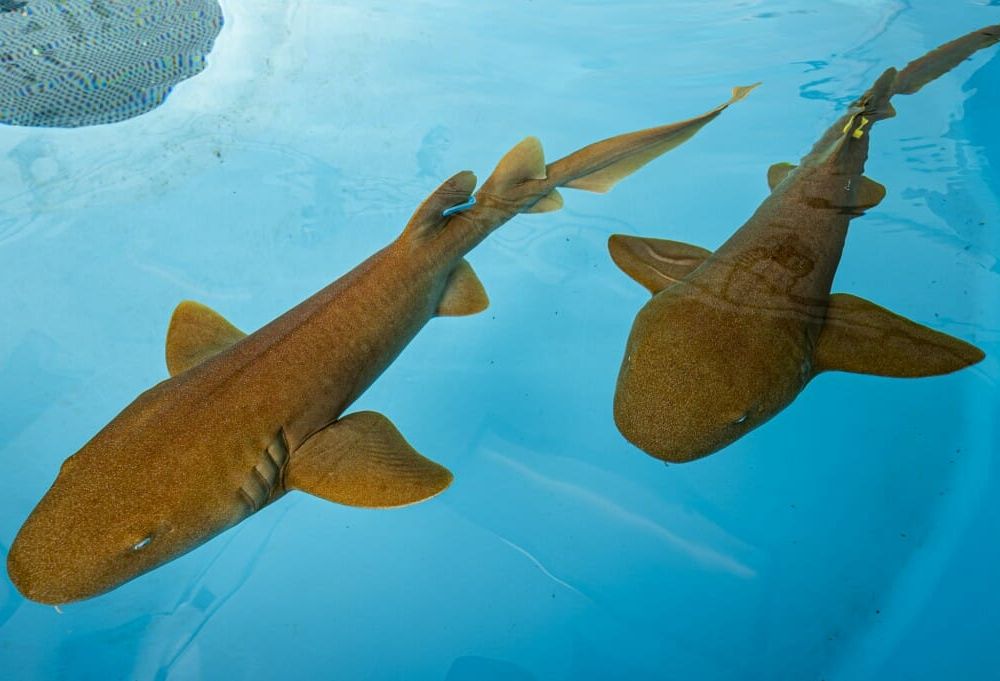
{"type": "Point", "coordinates": [875, 104]}
{"type": "Point", "coordinates": [846, 141]}
{"type": "Point", "coordinates": [939, 61]}
{"type": "Point", "coordinates": [597, 167]}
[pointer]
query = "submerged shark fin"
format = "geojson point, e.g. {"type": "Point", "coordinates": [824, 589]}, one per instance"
{"type": "Point", "coordinates": [869, 194]}
{"type": "Point", "coordinates": [525, 161]}
{"type": "Point", "coordinates": [863, 338]}
{"type": "Point", "coordinates": [428, 218]}
{"type": "Point", "coordinates": [548, 203]}
{"type": "Point", "coordinates": [362, 460]}
{"type": "Point", "coordinates": [778, 172]}
{"type": "Point", "coordinates": [464, 294]}
{"type": "Point", "coordinates": [655, 263]}
{"type": "Point", "coordinates": [939, 61]}
{"type": "Point", "coordinates": [600, 166]}
{"type": "Point", "coordinates": [197, 332]}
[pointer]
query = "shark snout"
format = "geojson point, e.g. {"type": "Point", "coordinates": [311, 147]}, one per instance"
{"type": "Point", "coordinates": [54, 560]}
{"type": "Point", "coordinates": [41, 572]}
{"type": "Point", "coordinates": [671, 432]}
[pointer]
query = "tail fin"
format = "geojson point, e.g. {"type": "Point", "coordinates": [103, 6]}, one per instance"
{"type": "Point", "coordinates": [600, 166]}
{"type": "Point", "coordinates": [597, 167]}
{"type": "Point", "coordinates": [937, 62]}
{"type": "Point", "coordinates": [874, 105]}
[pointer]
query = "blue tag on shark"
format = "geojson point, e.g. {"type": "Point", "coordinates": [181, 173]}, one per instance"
{"type": "Point", "coordinates": [71, 63]}
{"type": "Point", "coordinates": [448, 212]}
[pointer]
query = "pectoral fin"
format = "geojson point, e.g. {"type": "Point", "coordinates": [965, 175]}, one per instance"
{"type": "Point", "coordinates": [362, 460]}
{"type": "Point", "coordinates": [655, 263]}
{"type": "Point", "coordinates": [464, 293]}
{"type": "Point", "coordinates": [863, 338]}
{"type": "Point", "coordinates": [196, 333]}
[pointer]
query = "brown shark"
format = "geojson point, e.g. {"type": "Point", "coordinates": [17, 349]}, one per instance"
{"type": "Point", "coordinates": [246, 418]}
{"type": "Point", "coordinates": [730, 338]}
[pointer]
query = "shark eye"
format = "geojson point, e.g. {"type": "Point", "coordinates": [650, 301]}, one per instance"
{"type": "Point", "coordinates": [741, 419]}
{"type": "Point", "coordinates": [142, 543]}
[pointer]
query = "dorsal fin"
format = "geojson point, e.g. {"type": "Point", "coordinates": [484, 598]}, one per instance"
{"type": "Point", "coordinates": [777, 173]}
{"type": "Point", "coordinates": [655, 263]}
{"type": "Point", "coordinates": [525, 161]}
{"type": "Point", "coordinates": [464, 294]}
{"type": "Point", "coordinates": [196, 333]}
{"type": "Point", "coordinates": [428, 218]}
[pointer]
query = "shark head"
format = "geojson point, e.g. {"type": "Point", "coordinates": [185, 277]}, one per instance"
{"type": "Point", "coordinates": [694, 379]}
{"type": "Point", "coordinates": [104, 522]}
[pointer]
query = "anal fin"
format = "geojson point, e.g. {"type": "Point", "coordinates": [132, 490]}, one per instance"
{"type": "Point", "coordinates": [548, 203]}
{"type": "Point", "coordinates": [362, 460]}
{"type": "Point", "coordinates": [863, 338]}
{"type": "Point", "coordinates": [655, 263]}
{"type": "Point", "coordinates": [464, 294]}
{"type": "Point", "coordinates": [197, 332]}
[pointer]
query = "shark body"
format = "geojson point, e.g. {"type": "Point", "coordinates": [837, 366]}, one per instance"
{"type": "Point", "coordinates": [730, 338]}
{"type": "Point", "coordinates": [246, 418]}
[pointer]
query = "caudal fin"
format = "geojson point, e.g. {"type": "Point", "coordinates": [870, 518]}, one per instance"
{"type": "Point", "coordinates": [600, 166]}
{"type": "Point", "coordinates": [939, 61]}
{"type": "Point", "coordinates": [874, 105]}
{"type": "Point", "coordinates": [596, 167]}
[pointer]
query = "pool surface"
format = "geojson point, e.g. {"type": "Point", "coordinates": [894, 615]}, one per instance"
{"type": "Point", "coordinates": [852, 537]}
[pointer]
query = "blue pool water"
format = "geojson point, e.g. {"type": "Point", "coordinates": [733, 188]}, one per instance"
{"type": "Point", "coordinates": [853, 537]}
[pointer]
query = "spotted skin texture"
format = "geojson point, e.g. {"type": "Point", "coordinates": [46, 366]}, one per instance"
{"type": "Point", "coordinates": [730, 338]}
{"type": "Point", "coordinates": [246, 418]}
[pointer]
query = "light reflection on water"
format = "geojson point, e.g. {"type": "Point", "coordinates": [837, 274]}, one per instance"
{"type": "Point", "coordinates": [837, 540]}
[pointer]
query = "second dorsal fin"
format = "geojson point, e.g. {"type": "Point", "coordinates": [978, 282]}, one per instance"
{"type": "Point", "coordinates": [525, 161]}
{"type": "Point", "coordinates": [196, 333]}
{"type": "Point", "coordinates": [778, 172]}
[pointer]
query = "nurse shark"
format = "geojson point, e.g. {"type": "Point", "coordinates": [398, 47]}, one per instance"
{"type": "Point", "coordinates": [246, 418]}
{"type": "Point", "coordinates": [730, 338]}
